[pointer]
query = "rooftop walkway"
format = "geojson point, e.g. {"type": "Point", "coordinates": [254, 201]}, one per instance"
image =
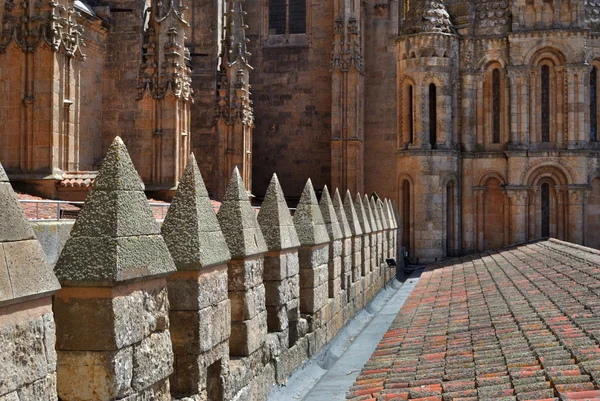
{"type": "Point", "coordinates": [522, 323]}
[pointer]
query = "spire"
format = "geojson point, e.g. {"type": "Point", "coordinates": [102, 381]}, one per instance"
{"type": "Point", "coordinates": [234, 40]}
{"type": "Point", "coordinates": [390, 214]}
{"type": "Point", "coordinates": [370, 214]}
{"type": "Point", "coordinates": [427, 16]}
{"type": "Point", "coordinates": [309, 220]}
{"type": "Point", "coordinates": [191, 229]}
{"type": "Point", "coordinates": [275, 219]}
{"type": "Point", "coordinates": [24, 272]}
{"type": "Point", "coordinates": [363, 216]}
{"type": "Point", "coordinates": [352, 215]}
{"type": "Point", "coordinates": [385, 224]}
{"type": "Point", "coordinates": [341, 214]}
{"type": "Point", "coordinates": [116, 237]}
{"type": "Point", "coordinates": [238, 221]}
{"type": "Point", "coordinates": [329, 216]}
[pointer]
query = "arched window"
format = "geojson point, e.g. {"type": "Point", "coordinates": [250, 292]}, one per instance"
{"type": "Point", "coordinates": [411, 115]}
{"type": "Point", "coordinates": [594, 104]}
{"type": "Point", "coordinates": [496, 106]}
{"type": "Point", "coordinates": [545, 102]}
{"type": "Point", "coordinates": [432, 115]}
{"type": "Point", "coordinates": [545, 210]}
{"type": "Point", "coordinates": [287, 17]}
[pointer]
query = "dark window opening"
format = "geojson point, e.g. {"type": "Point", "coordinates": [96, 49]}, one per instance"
{"type": "Point", "coordinates": [496, 106]}
{"type": "Point", "coordinates": [287, 17]}
{"type": "Point", "coordinates": [411, 117]}
{"type": "Point", "coordinates": [545, 210]}
{"type": "Point", "coordinates": [593, 105]}
{"type": "Point", "coordinates": [545, 103]}
{"type": "Point", "coordinates": [449, 219]}
{"type": "Point", "coordinates": [432, 115]}
{"type": "Point", "coordinates": [406, 215]}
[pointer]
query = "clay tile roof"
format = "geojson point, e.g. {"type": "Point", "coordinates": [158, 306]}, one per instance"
{"type": "Point", "coordinates": [78, 179]}
{"type": "Point", "coordinates": [520, 323]}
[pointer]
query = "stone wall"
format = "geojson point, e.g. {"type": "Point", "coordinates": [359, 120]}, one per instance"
{"type": "Point", "coordinates": [205, 307]}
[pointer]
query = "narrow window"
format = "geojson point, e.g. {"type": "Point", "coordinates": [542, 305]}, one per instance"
{"type": "Point", "coordinates": [545, 103]}
{"type": "Point", "coordinates": [432, 115]}
{"type": "Point", "coordinates": [287, 17]}
{"type": "Point", "coordinates": [593, 105]}
{"type": "Point", "coordinates": [277, 17]}
{"type": "Point", "coordinates": [297, 16]}
{"type": "Point", "coordinates": [545, 210]}
{"type": "Point", "coordinates": [496, 106]}
{"type": "Point", "coordinates": [449, 219]}
{"type": "Point", "coordinates": [406, 215]}
{"type": "Point", "coordinates": [411, 116]}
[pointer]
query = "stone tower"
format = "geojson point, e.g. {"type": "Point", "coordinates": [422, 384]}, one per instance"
{"type": "Point", "coordinates": [428, 159]}
{"type": "Point", "coordinates": [234, 118]}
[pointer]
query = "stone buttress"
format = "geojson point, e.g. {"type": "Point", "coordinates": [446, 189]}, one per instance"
{"type": "Point", "coordinates": [335, 248]}
{"type": "Point", "coordinates": [245, 270]}
{"type": "Point", "coordinates": [27, 331]}
{"type": "Point", "coordinates": [282, 271]}
{"type": "Point", "coordinates": [361, 253]}
{"type": "Point", "coordinates": [200, 309]}
{"type": "Point", "coordinates": [112, 314]}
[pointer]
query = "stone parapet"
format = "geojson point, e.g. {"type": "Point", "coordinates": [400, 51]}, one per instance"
{"type": "Point", "coordinates": [336, 245]}
{"type": "Point", "coordinates": [200, 310]}
{"type": "Point", "coordinates": [282, 271]}
{"type": "Point", "coordinates": [27, 329]}
{"type": "Point", "coordinates": [347, 252]}
{"type": "Point", "coordinates": [245, 270]}
{"type": "Point", "coordinates": [112, 314]}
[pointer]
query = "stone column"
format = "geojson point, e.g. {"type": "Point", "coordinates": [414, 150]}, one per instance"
{"type": "Point", "coordinates": [245, 269]}
{"type": "Point", "coordinates": [314, 258]}
{"type": "Point", "coordinates": [200, 311]}
{"type": "Point", "coordinates": [282, 270]}
{"type": "Point", "coordinates": [518, 214]}
{"type": "Point", "coordinates": [347, 253]}
{"type": "Point", "coordinates": [576, 216]}
{"type": "Point", "coordinates": [112, 314]}
{"type": "Point", "coordinates": [335, 246]}
{"type": "Point", "coordinates": [27, 331]}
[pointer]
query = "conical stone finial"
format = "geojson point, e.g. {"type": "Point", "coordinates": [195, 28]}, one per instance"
{"type": "Point", "coordinates": [24, 272]}
{"type": "Point", "coordinates": [116, 237]}
{"type": "Point", "coordinates": [376, 215]}
{"type": "Point", "coordinates": [390, 211]}
{"type": "Point", "coordinates": [191, 229]}
{"type": "Point", "coordinates": [352, 215]}
{"type": "Point", "coordinates": [370, 209]}
{"type": "Point", "coordinates": [238, 221]}
{"type": "Point", "coordinates": [3, 176]}
{"type": "Point", "coordinates": [385, 224]}
{"type": "Point", "coordinates": [338, 205]}
{"type": "Point", "coordinates": [275, 219]}
{"type": "Point", "coordinates": [329, 215]}
{"type": "Point", "coordinates": [308, 219]}
{"type": "Point", "coordinates": [427, 16]}
{"type": "Point", "coordinates": [363, 216]}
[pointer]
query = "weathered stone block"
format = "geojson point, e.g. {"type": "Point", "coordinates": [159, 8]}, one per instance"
{"type": "Point", "coordinates": [152, 360]}
{"type": "Point", "coordinates": [313, 299]}
{"type": "Point", "coordinates": [199, 331]}
{"type": "Point", "coordinates": [105, 323]}
{"type": "Point", "coordinates": [277, 318]}
{"type": "Point", "coordinates": [313, 256]}
{"type": "Point", "coordinates": [311, 278]}
{"type": "Point", "coordinates": [93, 376]}
{"type": "Point", "coordinates": [245, 274]}
{"type": "Point", "coordinates": [245, 305]}
{"type": "Point", "coordinates": [248, 336]}
{"type": "Point", "coordinates": [198, 290]}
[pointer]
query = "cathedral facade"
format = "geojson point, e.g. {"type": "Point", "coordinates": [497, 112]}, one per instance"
{"type": "Point", "coordinates": [478, 117]}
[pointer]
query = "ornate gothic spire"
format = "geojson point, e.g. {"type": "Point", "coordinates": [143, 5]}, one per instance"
{"type": "Point", "coordinates": [427, 16]}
